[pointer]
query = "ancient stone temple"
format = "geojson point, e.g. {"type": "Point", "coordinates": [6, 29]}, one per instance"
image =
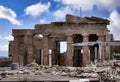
{"type": "Point", "coordinates": [43, 42]}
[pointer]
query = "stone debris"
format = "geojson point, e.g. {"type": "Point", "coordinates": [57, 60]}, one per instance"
{"type": "Point", "coordinates": [89, 75]}
{"type": "Point", "coordinates": [38, 73]}
{"type": "Point", "coordinates": [3, 75]}
{"type": "Point", "coordinates": [33, 64]}
{"type": "Point", "coordinates": [105, 71]}
{"type": "Point", "coordinates": [64, 74]}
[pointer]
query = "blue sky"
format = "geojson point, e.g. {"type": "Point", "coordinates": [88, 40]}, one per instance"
{"type": "Point", "coordinates": [24, 14]}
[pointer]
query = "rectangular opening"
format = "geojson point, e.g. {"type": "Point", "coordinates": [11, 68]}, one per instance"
{"type": "Point", "coordinates": [50, 51]}
{"type": "Point", "coordinates": [63, 46]}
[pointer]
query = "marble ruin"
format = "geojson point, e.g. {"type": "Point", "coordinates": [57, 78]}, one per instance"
{"type": "Point", "coordinates": [42, 44]}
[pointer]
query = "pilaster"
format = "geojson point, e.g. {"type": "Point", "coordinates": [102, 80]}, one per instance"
{"type": "Point", "coordinates": [30, 49]}
{"type": "Point", "coordinates": [69, 55]}
{"type": "Point", "coordinates": [108, 39]}
{"type": "Point", "coordinates": [101, 38]}
{"type": "Point", "coordinates": [15, 57]}
{"type": "Point", "coordinates": [45, 50]}
{"type": "Point", "coordinates": [85, 56]}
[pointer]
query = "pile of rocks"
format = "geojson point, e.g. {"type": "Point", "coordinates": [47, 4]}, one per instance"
{"type": "Point", "coordinates": [105, 71]}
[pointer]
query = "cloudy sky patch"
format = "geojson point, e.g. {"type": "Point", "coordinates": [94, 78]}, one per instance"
{"type": "Point", "coordinates": [32, 12]}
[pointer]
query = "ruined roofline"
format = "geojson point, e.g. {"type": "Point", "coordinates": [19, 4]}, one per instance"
{"type": "Point", "coordinates": [92, 19]}
{"type": "Point", "coordinates": [98, 19]}
{"type": "Point", "coordinates": [41, 24]}
{"type": "Point", "coordinates": [20, 32]}
{"type": "Point", "coordinates": [71, 19]}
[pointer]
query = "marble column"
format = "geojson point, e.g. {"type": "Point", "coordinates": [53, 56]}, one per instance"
{"type": "Point", "coordinates": [85, 56]}
{"type": "Point", "coordinates": [69, 55]}
{"type": "Point", "coordinates": [50, 58]}
{"type": "Point", "coordinates": [45, 50]}
{"type": "Point", "coordinates": [102, 39]}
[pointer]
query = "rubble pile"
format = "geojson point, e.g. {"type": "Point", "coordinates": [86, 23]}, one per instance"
{"type": "Point", "coordinates": [105, 71]}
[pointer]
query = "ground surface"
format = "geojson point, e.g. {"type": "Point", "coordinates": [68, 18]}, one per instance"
{"type": "Point", "coordinates": [33, 72]}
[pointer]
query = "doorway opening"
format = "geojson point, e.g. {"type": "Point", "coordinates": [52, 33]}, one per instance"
{"type": "Point", "coordinates": [77, 57]}
{"type": "Point", "coordinates": [38, 58]}
{"type": "Point", "coordinates": [25, 58]}
{"type": "Point", "coordinates": [92, 38]}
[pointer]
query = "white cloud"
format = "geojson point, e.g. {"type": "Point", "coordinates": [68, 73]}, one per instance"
{"type": "Point", "coordinates": [62, 12]}
{"type": "Point", "coordinates": [114, 26]}
{"type": "Point", "coordinates": [108, 4]}
{"type": "Point", "coordinates": [43, 21]}
{"type": "Point", "coordinates": [37, 9]}
{"type": "Point", "coordinates": [6, 13]}
{"type": "Point", "coordinates": [4, 42]}
{"type": "Point", "coordinates": [89, 4]}
{"type": "Point", "coordinates": [8, 38]}
{"type": "Point", "coordinates": [3, 47]}
{"type": "Point", "coordinates": [73, 6]}
{"type": "Point", "coordinates": [85, 4]}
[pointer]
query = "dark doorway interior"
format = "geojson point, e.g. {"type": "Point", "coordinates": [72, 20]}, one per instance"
{"type": "Point", "coordinates": [38, 58]}
{"type": "Point", "coordinates": [25, 58]}
{"type": "Point", "coordinates": [77, 58]}
{"type": "Point", "coordinates": [92, 38]}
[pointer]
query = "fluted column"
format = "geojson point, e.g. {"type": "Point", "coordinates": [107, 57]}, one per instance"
{"type": "Point", "coordinates": [85, 56]}
{"type": "Point", "coordinates": [45, 50]}
{"type": "Point", "coordinates": [69, 55]}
